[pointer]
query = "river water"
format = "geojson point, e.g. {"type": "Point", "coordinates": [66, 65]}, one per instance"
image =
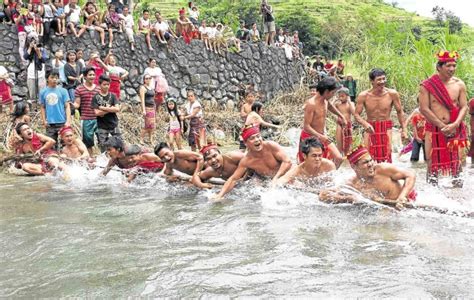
{"type": "Point", "coordinates": [96, 237]}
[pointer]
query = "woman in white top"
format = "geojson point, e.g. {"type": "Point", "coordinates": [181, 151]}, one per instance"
{"type": "Point", "coordinates": [254, 34]}
{"type": "Point", "coordinates": [158, 81]}
{"type": "Point", "coordinates": [128, 26]}
{"type": "Point", "coordinates": [204, 35]}
{"type": "Point", "coordinates": [194, 15]}
{"type": "Point", "coordinates": [197, 127]}
{"type": "Point", "coordinates": [211, 35]}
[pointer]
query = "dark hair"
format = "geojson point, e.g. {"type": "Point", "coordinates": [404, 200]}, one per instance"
{"type": "Point", "coordinates": [69, 53]}
{"type": "Point", "coordinates": [79, 50]}
{"type": "Point", "coordinates": [146, 11]}
{"type": "Point", "coordinates": [190, 4]}
{"type": "Point", "coordinates": [19, 110]}
{"type": "Point", "coordinates": [309, 143]}
{"type": "Point", "coordinates": [190, 90]}
{"type": "Point", "coordinates": [150, 59]}
{"type": "Point", "coordinates": [114, 142]}
{"type": "Point", "coordinates": [103, 78]}
{"type": "Point", "coordinates": [313, 86]}
{"type": "Point", "coordinates": [327, 84]}
{"type": "Point", "coordinates": [174, 110]}
{"type": "Point", "coordinates": [18, 127]}
{"type": "Point", "coordinates": [159, 147]}
{"type": "Point", "coordinates": [87, 70]}
{"type": "Point", "coordinates": [376, 72]}
{"type": "Point", "coordinates": [52, 73]}
{"type": "Point", "coordinates": [257, 106]}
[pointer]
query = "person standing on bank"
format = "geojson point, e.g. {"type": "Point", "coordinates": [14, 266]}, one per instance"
{"type": "Point", "coordinates": [268, 22]}
{"type": "Point", "coordinates": [55, 107]}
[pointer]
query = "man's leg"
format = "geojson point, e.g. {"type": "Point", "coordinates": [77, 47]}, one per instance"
{"type": "Point", "coordinates": [335, 155]}
{"type": "Point", "coordinates": [32, 169]}
{"type": "Point", "coordinates": [339, 138]}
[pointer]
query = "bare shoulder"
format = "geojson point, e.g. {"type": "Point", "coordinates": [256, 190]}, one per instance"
{"type": "Point", "coordinates": [327, 165]}
{"type": "Point", "coordinates": [364, 93]}
{"type": "Point", "coordinates": [459, 82]}
{"type": "Point", "coordinates": [235, 155]}
{"type": "Point", "coordinates": [392, 92]}
{"type": "Point", "coordinates": [273, 145]}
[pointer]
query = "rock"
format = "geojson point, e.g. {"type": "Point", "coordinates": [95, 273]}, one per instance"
{"type": "Point", "coordinates": [217, 94]}
{"type": "Point", "coordinates": [173, 92]}
{"type": "Point", "coordinates": [195, 79]}
{"type": "Point", "coordinates": [21, 91]}
{"type": "Point", "coordinates": [214, 103]}
{"type": "Point", "coordinates": [184, 93]}
{"type": "Point", "coordinates": [230, 105]}
{"type": "Point", "coordinates": [206, 95]}
{"type": "Point", "coordinates": [205, 78]}
{"type": "Point", "coordinates": [131, 92]}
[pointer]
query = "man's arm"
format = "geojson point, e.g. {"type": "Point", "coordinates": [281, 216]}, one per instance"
{"type": "Point", "coordinates": [109, 166]}
{"type": "Point", "coordinates": [288, 177]}
{"type": "Point", "coordinates": [82, 148]}
{"type": "Point", "coordinates": [425, 109]}
{"type": "Point", "coordinates": [67, 106]}
{"type": "Point", "coordinates": [77, 100]}
{"type": "Point", "coordinates": [48, 143]}
{"type": "Point", "coordinates": [199, 178]}
{"type": "Point", "coordinates": [360, 103]}
{"type": "Point", "coordinates": [43, 115]}
{"type": "Point", "coordinates": [281, 156]}
{"type": "Point", "coordinates": [463, 108]}
{"type": "Point", "coordinates": [230, 183]}
{"type": "Point", "coordinates": [397, 173]}
{"type": "Point", "coordinates": [191, 156]}
{"type": "Point", "coordinates": [401, 116]}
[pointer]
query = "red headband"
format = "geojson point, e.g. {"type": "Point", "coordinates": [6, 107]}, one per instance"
{"type": "Point", "coordinates": [248, 132]}
{"type": "Point", "coordinates": [356, 154]}
{"type": "Point", "coordinates": [447, 56]}
{"type": "Point", "coordinates": [207, 148]}
{"type": "Point", "coordinates": [65, 130]}
{"type": "Point", "coordinates": [181, 11]}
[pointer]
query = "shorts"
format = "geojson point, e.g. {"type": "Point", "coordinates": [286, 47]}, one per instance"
{"type": "Point", "coordinates": [89, 129]}
{"type": "Point", "coordinates": [269, 27]}
{"type": "Point", "coordinates": [52, 131]}
{"type": "Point", "coordinates": [104, 134]}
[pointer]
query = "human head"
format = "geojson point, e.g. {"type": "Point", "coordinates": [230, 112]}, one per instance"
{"type": "Point", "coordinates": [115, 146]}
{"type": "Point", "coordinates": [79, 53]}
{"type": "Point", "coordinates": [104, 82]}
{"type": "Point", "coordinates": [125, 10]}
{"type": "Point", "coordinates": [312, 150]}
{"type": "Point", "coordinates": [111, 8]}
{"type": "Point", "coordinates": [24, 131]}
{"type": "Point", "coordinates": [163, 151]}
{"type": "Point", "coordinates": [212, 156]}
{"type": "Point", "coordinates": [349, 77]}
{"type": "Point", "coordinates": [191, 95]}
{"type": "Point", "coordinates": [112, 60]}
{"type": "Point", "coordinates": [343, 94]}
{"type": "Point", "coordinates": [52, 78]}
{"type": "Point", "coordinates": [313, 89]}
{"type": "Point", "coordinates": [254, 26]}
{"type": "Point", "coordinates": [21, 108]}
{"type": "Point", "coordinates": [89, 74]}
{"type": "Point", "coordinates": [147, 80]}
{"type": "Point", "coordinates": [257, 107]}
{"type": "Point", "coordinates": [146, 14]}
{"type": "Point", "coordinates": [59, 54]}
{"type": "Point", "coordinates": [327, 87]}
{"type": "Point", "coordinates": [151, 62]}
{"type": "Point", "coordinates": [252, 138]}
{"type": "Point", "coordinates": [447, 63]}
{"type": "Point", "coordinates": [171, 105]}
{"type": "Point", "coordinates": [362, 162]}
{"type": "Point", "coordinates": [67, 135]}
{"type": "Point", "coordinates": [71, 56]}
{"type": "Point", "coordinates": [377, 77]}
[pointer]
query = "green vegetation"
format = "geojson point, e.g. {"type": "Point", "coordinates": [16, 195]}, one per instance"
{"type": "Point", "coordinates": [365, 33]}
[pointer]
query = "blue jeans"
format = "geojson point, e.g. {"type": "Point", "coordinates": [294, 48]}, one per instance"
{"type": "Point", "coordinates": [415, 153]}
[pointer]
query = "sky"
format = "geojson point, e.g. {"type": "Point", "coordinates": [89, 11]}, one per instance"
{"type": "Point", "coordinates": [461, 8]}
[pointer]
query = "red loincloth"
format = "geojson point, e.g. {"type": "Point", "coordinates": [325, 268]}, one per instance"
{"type": "Point", "coordinates": [412, 196]}
{"type": "Point", "coordinates": [379, 146]}
{"type": "Point", "coordinates": [150, 166]}
{"type": "Point", "coordinates": [5, 93]}
{"type": "Point", "coordinates": [304, 135]}
{"type": "Point", "coordinates": [445, 157]}
{"type": "Point", "coordinates": [347, 138]}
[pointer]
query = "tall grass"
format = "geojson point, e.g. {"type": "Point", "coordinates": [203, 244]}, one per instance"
{"type": "Point", "coordinates": [406, 59]}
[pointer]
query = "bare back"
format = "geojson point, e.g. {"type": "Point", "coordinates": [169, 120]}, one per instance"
{"type": "Point", "coordinates": [264, 162]}
{"type": "Point", "coordinates": [381, 184]}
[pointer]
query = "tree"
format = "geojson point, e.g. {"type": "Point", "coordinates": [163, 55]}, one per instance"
{"type": "Point", "coordinates": [445, 18]}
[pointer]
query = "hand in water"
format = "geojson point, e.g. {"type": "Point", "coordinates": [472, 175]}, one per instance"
{"type": "Point", "coordinates": [216, 198]}
{"type": "Point", "coordinates": [401, 201]}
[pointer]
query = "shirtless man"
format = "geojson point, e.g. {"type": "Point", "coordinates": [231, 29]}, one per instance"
{"type": "Point", "coordinates": [73, 147]}
{"type": "Point", "coordinates": [265, 158]}
{"type": "Point", "coordinates": [314, 124]}
{"type": "Point", "coordinates": [39, 145]}
{"type": "Point", "coordinates": [217, 165]}
{"type": "Point", "coordinates": [443, 102]}
{"type": "Point", "coordinates": [376, 181]}
{"type": "Point", "coordinates": [132, 158]}
{"type": "Point", "coordinates": [378, 103]}
{"type": "Point", "coordinates": [314, 164]}
{"type": "Point", "coordinates": [344, 133]}
{"type": "Point", "coordinates": [185, 161]}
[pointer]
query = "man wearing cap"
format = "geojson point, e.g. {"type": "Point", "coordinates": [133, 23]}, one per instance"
{"type": "Point", "coordinates": [264, 158]}
{"type": "Point", "coordinates": [217, 165]}
{"type": "Point", "coordinates": [443, 102]}
{"type": "Point", "coordinates": [73, 147]}
{"type": "Point", "coordinates": [185, 161]}
{"type": "Point", "coordinates": [315, 113]}
{"type": "Point", "coordinates": [314, 164]}
{"type": "Point", "coordinates": [378, 103]}
{"type": "Point", "coordinates": [133, 159]}
{"type": "Point", "coordinates": [376, 181]}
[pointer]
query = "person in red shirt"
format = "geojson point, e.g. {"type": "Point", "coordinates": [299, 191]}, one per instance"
{"type": "Point", "coordinates": [418, 121]}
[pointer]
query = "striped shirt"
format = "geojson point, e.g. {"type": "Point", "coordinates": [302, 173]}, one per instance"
{"type": "Point", "coordinates": [86, 95]}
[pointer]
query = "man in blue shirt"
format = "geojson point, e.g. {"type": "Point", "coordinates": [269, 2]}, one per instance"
{"type": "Point", "coordinates": [55, 109]}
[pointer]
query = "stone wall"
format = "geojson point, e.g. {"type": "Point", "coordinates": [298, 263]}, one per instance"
{"type": "Point", "coordinates": [212, 76]}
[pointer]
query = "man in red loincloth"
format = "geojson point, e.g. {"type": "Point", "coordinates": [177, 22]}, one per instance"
{"type": "Point", "coordinates": [314, 124]}
{"type": "Point", "coordinates": [443, 102]}
{"type": "Point", "coordinates": [376, 181]}
{"type": "Point", "coordinates": [378, 103]}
